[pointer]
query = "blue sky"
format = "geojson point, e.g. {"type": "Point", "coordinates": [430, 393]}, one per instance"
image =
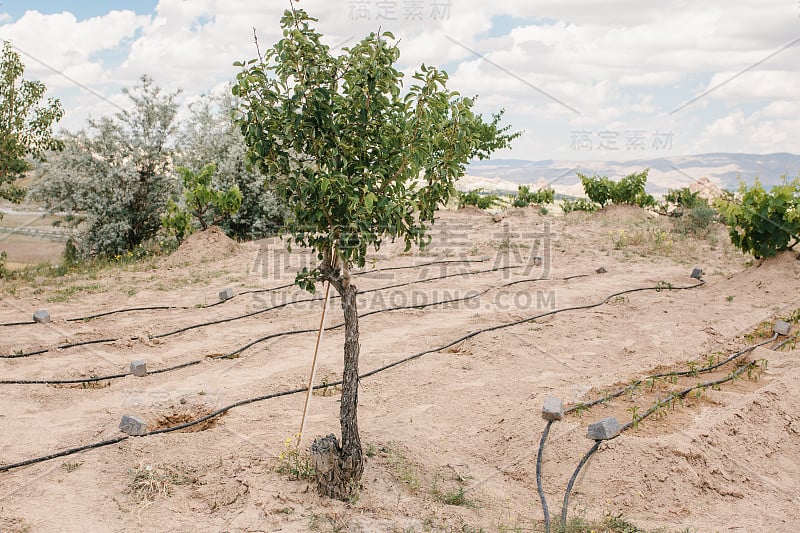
{"type": "Point", "coordinates": [81, 10]}
{"type": "Point", "coordinates": [584, 79]}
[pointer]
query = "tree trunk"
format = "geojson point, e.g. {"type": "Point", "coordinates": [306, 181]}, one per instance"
{"type": "Point", "coordinates": [339, 468]}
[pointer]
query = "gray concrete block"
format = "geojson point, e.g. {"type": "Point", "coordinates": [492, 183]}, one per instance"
{"type": "Point", "coordinates": [42, 316]}
{"type": "Point", "coordinates": [138, 368]}
{"type": "Point", "coordinates": [226, 294]}
{"type": "Point", "coordinates": [133, 425]}
{"type": "Point", "coordinates": [601, 270]}
{"type": "Point", "coordinates": [553, 408]}
{"type": "Point", "coordinates": [782, 327]}
{"type": "Point", "coordinates": [608, 428]}
{"type": "Point", "coordinates": [697, 273]}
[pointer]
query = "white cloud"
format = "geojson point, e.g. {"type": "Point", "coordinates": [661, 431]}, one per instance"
{"type": "Point", "coordinates": [624, 65]}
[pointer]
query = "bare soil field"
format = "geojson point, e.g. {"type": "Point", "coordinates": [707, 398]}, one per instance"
{"type": "Point", "coordinates": [26, 239]}
{"type": "Point", "coordinates": [451, 436]}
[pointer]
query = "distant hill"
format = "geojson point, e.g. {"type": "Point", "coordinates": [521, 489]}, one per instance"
{"type": "Point", "coordinates": [721, 169]}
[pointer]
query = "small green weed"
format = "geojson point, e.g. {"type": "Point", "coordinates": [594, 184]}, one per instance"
{"type": "Point", "coordinates": [293, 462]}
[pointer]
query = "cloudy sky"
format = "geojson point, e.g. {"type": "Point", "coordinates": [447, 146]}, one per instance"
{"type": "Point", "coordinates": [584, 79]}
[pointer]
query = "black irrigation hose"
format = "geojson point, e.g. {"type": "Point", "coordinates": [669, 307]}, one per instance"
{"type": "Point", "coordinates": [661, 403]}
{"type": "Point", "coordinates": [59, 347]}
{"type": "Point", "coordinates": [5, 468]}
{"type": "Point", "coordinates": [615, 395]}
{"type": "Point", "coordinates": [649, 412]}
{"type": "Point", "coordinates": [253, 291]}
{"type": "Point", "coordinates": [330, 328]}
{"type": "Point", "coordinates": [127, 310]}
{"type": "Point", "coordinates": [638, 382]}
{"type": "Point", "coordinates": [682, 394]}
{"type": "Point", "coordinates": [26, 323]}
{"type": "Point", "coordinates": [253, 313]}
{"type": "Point", "coordinates": [93, 379]}
{"type": "Point", "coordinates": [238, 350]}
{"type": "Point", "coordinates": [574, 477]}
{"type": "Point", "coordinates": [63, 453]}
{"type": "Point", "coordinates": [268, 337]}
{"type": "Point", "coordinates": [279, 306]}
{"type": "Point", "coordinates": [539, 476]}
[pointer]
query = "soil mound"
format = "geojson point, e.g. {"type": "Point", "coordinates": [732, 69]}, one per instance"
{"type": "Point", "coordinates": [623, 213]}
{"type": "Point", "coordinates": [210, 245]}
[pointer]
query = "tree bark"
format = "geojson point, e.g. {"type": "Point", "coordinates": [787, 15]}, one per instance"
{"type": "Point", "coordinates": [339, 468]}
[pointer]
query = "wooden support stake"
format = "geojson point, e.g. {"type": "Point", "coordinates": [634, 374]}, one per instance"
{"type": "Point", "coordinates": [314, 363]}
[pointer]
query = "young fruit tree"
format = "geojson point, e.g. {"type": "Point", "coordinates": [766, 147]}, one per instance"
{"type": "Point", "coordinates": [26, 124]}
{"type": "Point", "coordinates": [356, 160]}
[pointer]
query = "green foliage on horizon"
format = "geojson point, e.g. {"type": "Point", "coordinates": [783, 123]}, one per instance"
{"type": "Point", "coordinates": [525, 197]}
{"type": "Point", "coordinates": [763, 223]}
{"type": "Point", "coordinates": [479, 199]}
{"type": "Point", "coordinates": [579, 204]}
{"type": "Point", "coordinates": [627, 191]}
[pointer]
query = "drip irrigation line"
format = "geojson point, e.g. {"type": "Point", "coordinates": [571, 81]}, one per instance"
{"type": "Point", "coordinates": [128, 310]}
{"type": "Point", "coordinates": [638, 382]}
{"type": "Point", "coordinates": [511, 324]}
{"type": "Point", "coordinates": [59, 347]}
{"type": "Point", "coordinates": [663, 403]}
{"type": "Point", "coordinates": [5, 468]}
{"type": "Point", "coordinates": [574, 477]}
{"type": "Point", "coordinates": [542, 497]}
{"type": "Point", "coordinates": [786, 341]}
{"type": "Point", "coordinates": [315, 299]}
{"type": "Point", "coordinates": [63, 453]}
{"type": "Point", "coordinates": [253, 291]}
{"type": "Point", "coordinates": [236, 352]}
{"type": "Point", "coordinates": [93, 379]}
{"type": "Point", "coordinates": [251, 314]}
{"type": "Point", "coordinates": [566, 278]}
{"type": "Point", "coordinates": [684, 392]}
{"type": "Point", "coordinates": [385, 269]}
{"type": "Point", "coordinates": [26, 323]}
{"type": "Point", "coordinates": [654, 409]}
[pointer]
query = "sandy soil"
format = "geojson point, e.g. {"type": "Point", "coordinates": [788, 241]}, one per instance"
{"type": "Point", "coordinates": [451, 437]}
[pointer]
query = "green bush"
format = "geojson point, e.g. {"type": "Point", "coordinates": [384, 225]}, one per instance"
{"type": "Point", "coordinates": [682, 199]}
{"type": "Point", "coordinates": [764, 223]}
{"type": "Point", "coordinates": [629, 190]}
{"type": "Point", "coordinates": [580, 204]}
{"type": "Point", "coordinates": [479, 199]}
{"type": "Point", "coordinates": [114, 181]}
{"type": "Point", "coordinates": [205, 203]}
{"type": "Point", "coordinates": [700, 217]}
{"type": "Point", "coordinates": [525, 197]}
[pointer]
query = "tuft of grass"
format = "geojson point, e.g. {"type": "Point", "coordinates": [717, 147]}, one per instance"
{"type": "Point", "coordinates": [148, 482]}
{"type": "Point", "coordinates": [64, 294]}
{"type": "Point", "coordinates": [611, 523]}
{"type": "Point", "coordinates": [402, 470]}
{"type": "Point", "coordinates": [71, 467]}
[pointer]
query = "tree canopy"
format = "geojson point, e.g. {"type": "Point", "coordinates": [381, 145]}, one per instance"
{"type": "Point", "coordinates": [356, 158]}
{"type": "Point", "coordinates": [26, 123]}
